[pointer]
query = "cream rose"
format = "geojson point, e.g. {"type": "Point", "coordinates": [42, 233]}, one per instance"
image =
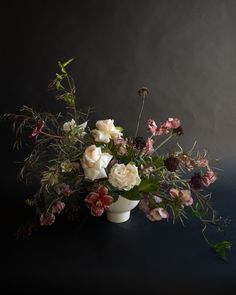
{"type": "Point", "coordinates": [124, 177]}
{"type": "Point", "coordinates": [94, 162]}
{"type": "Point", "coordinates": [105, 131]}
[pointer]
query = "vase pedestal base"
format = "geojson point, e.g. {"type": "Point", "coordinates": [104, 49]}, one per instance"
{"type": "Point", "coordinates": [118, 217]}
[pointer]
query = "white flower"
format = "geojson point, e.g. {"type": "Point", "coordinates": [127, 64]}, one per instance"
{"type": "Point", "coordinates": [81, 129]}
{"type": "Point", "coordinates": [66, 166]}
{"type": "Point", "coordinates": [124, 177]}
{"type": "Point", "coordinates": [105, 131]}
{"type": "Point", "coordinates": [69, 126]}
{"type": "Point", "coordinates": [94, 162]}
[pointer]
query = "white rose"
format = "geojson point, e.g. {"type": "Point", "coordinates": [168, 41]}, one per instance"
{"type": "Point", "coordinates": [69, 126]}
{"type": "Point", "coordinates": [124, 177]}
{"type": "Point", "coordinates": [105, 130]}
{"type": "Point", "coordinates": [94, 162]}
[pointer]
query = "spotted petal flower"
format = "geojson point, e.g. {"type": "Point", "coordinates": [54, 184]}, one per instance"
{"type": "Point", "coordinates": [98, 202]}
{"type": "Point", "coordinates": [37, 130]}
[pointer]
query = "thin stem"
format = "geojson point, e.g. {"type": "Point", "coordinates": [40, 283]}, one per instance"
{"type": "Point", "coordinates": [51, 135]}
{"type": "Point", "coordinates": [163, 142]}
{"type": "Point", "coordinates": [140, 114]}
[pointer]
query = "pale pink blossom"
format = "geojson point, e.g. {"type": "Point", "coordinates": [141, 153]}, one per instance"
{"type": "Point", "coordinates": [157, 214]}
{"type": "Point", "coordinates": [201, 162]}
{"type": "Point", "coordinates": [152, 126]}
{"type": "Point", "coordinates": [184, 195]}
{"type": "Point", "coordinates": [47, 219]}
{"type": "Point", "coordinates": [149, 146]}
{"type": "Point", "coordinates": [174, 122]}
{"type": "Point", "coordinates": [209, 178]}
{"type": "Point", "coordinates": [58, 207]}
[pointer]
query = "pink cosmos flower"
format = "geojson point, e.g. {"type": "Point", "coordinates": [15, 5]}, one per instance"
{"type": "Point", "coordinates": [209, 178]}
{"type": "Point", "coordinates": [152, 126]}
{"type": "Point", "coordinates": [184, 195]}
{"type": "Point", "coordinates": [47, 219]}
{"type": "Point", "coordinates": [98, 202]}
{"type": "Point", "coordinates": [37, 130]}
{"type": "Point", "coordinates": [201, 161]}
{"type": "Point", "coordinates": [149, 146]}
{"type": "Point", "coordinates": [58, 207]}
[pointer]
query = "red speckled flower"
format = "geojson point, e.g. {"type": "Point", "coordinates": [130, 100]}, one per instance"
{"type": "Point", "coordinates": [98, 202]}
{"type": "Point", "coordinates": [38, 128]}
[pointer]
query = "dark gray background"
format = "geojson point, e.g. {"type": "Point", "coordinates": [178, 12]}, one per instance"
{"type": "Point", "coordinates": [185, 53]}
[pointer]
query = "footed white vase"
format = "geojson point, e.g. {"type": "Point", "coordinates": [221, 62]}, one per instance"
{"type": "Point", "coordinates": [120, 210]}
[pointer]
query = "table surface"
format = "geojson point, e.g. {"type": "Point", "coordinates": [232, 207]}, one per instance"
{"type": "Point", "coordinates": [135, 257]}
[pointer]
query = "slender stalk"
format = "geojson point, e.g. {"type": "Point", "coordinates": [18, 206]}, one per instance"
{"type": "Point", "coordinates": [163, 142]}
{"type": "Point", "coordinates": [140, 114]}
{"type": "Point", "coordinates": [51, 135]}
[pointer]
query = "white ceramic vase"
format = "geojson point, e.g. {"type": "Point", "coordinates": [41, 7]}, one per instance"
{"type": "Point", "coordinates": [120, 210]}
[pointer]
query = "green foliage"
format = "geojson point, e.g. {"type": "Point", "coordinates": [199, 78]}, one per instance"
{"type": "Point", "coordinates": [221, 248]}
{"type": "Point", "coordinates": [149, 185]}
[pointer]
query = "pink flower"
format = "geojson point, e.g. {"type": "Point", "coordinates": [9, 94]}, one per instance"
{"type": "Point", "coordinates": [98, 202]}
{"type": "Point", "coordinates": [201, 161]}
{"type": "Point", "coordinates": [47, 219]}
{"type": "Point", "coordinates": [37, 130]}
{"type": "Point", "coordinates": [152, 126]}
{"type": "Point", "coordinates": [209, 178]}
{"type": "Point", "coordinates": [65, 190]}
{"type": "Point", "coordinates": [58, 207]}
{"type": "Point", "coordinates": [174, 122]}
{"type": "Point", "coordinates": [149, 146]}
{"type": "Point", "coordinates": [157, 214]}
{"type": "Point", "coordinates": [121, 143]}
{"type": "Point", "coordinates": [184, 195]}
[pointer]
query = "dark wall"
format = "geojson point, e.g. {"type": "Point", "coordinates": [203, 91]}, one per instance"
{"type": "Point", "coordinates": [184, 51]}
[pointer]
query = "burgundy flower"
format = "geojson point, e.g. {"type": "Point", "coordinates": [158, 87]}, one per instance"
{"type": "Point", "coordinates": [98, 202]}
{"type": "Point", "coordinates": [38, 128]}
{"type": "Point", "coordinates": [139, 143]}
{"type": "Point", "coordinates": [171, 163]}
{"type": "Point", "coordinates": [47, 219]}
{"type": "Point", "coordinates": [209, 178]}
{"type": "Point", "coordinates": [196, 181]}
{"type": "Point", "coordinates": [179, 131]}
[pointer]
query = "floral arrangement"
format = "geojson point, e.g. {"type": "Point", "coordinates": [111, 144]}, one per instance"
{"type": "Point", "coordinates": [95, 166]}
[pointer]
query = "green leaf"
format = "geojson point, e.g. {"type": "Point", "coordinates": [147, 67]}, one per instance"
{"type": "Point", "coordinates": [132, 194]}
{"type": "Point", "coordinates": [58, 76]}
{"type": "Point", "coordinates": [158, 162]}
{"type": "Point", "coordinates": [221, 248]}
{"type": "Point", "coordinates": [148, 185]}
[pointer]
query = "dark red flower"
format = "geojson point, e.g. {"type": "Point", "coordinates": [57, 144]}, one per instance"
{"type": "Point", "coordinates": [98, 202]}
{"type": "Point", "coordinates": [171, 163]}
{"type": "Point", "coordinates": [178, 131]}
{"type": "Point", "coordinates": [38, 128]}
{"type": "Point", "coordinates": [139, 143]}
{"type": "Point", "coordinates": [65, 190]}
{"type": "Point", "coordinates": [196, 181]}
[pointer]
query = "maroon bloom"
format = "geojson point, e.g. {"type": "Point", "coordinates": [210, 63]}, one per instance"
{"type": "Point", "coordinates": [37, 130]}
{"type": "Point", "coordinates": [139, 143]}
{"type": "Point", "coordinates": [171, 163]}
{"type": "Point", "coordinates": [196, 181]}
{"type": "Point", "coordinates": [98, 202]}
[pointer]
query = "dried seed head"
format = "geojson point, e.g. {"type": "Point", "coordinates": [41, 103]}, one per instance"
{"type": "Point", "coordinates": [143, 91]}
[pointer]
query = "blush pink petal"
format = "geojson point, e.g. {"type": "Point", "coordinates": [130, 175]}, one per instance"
{"type": "Point", "coordinates": [174, 193]}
